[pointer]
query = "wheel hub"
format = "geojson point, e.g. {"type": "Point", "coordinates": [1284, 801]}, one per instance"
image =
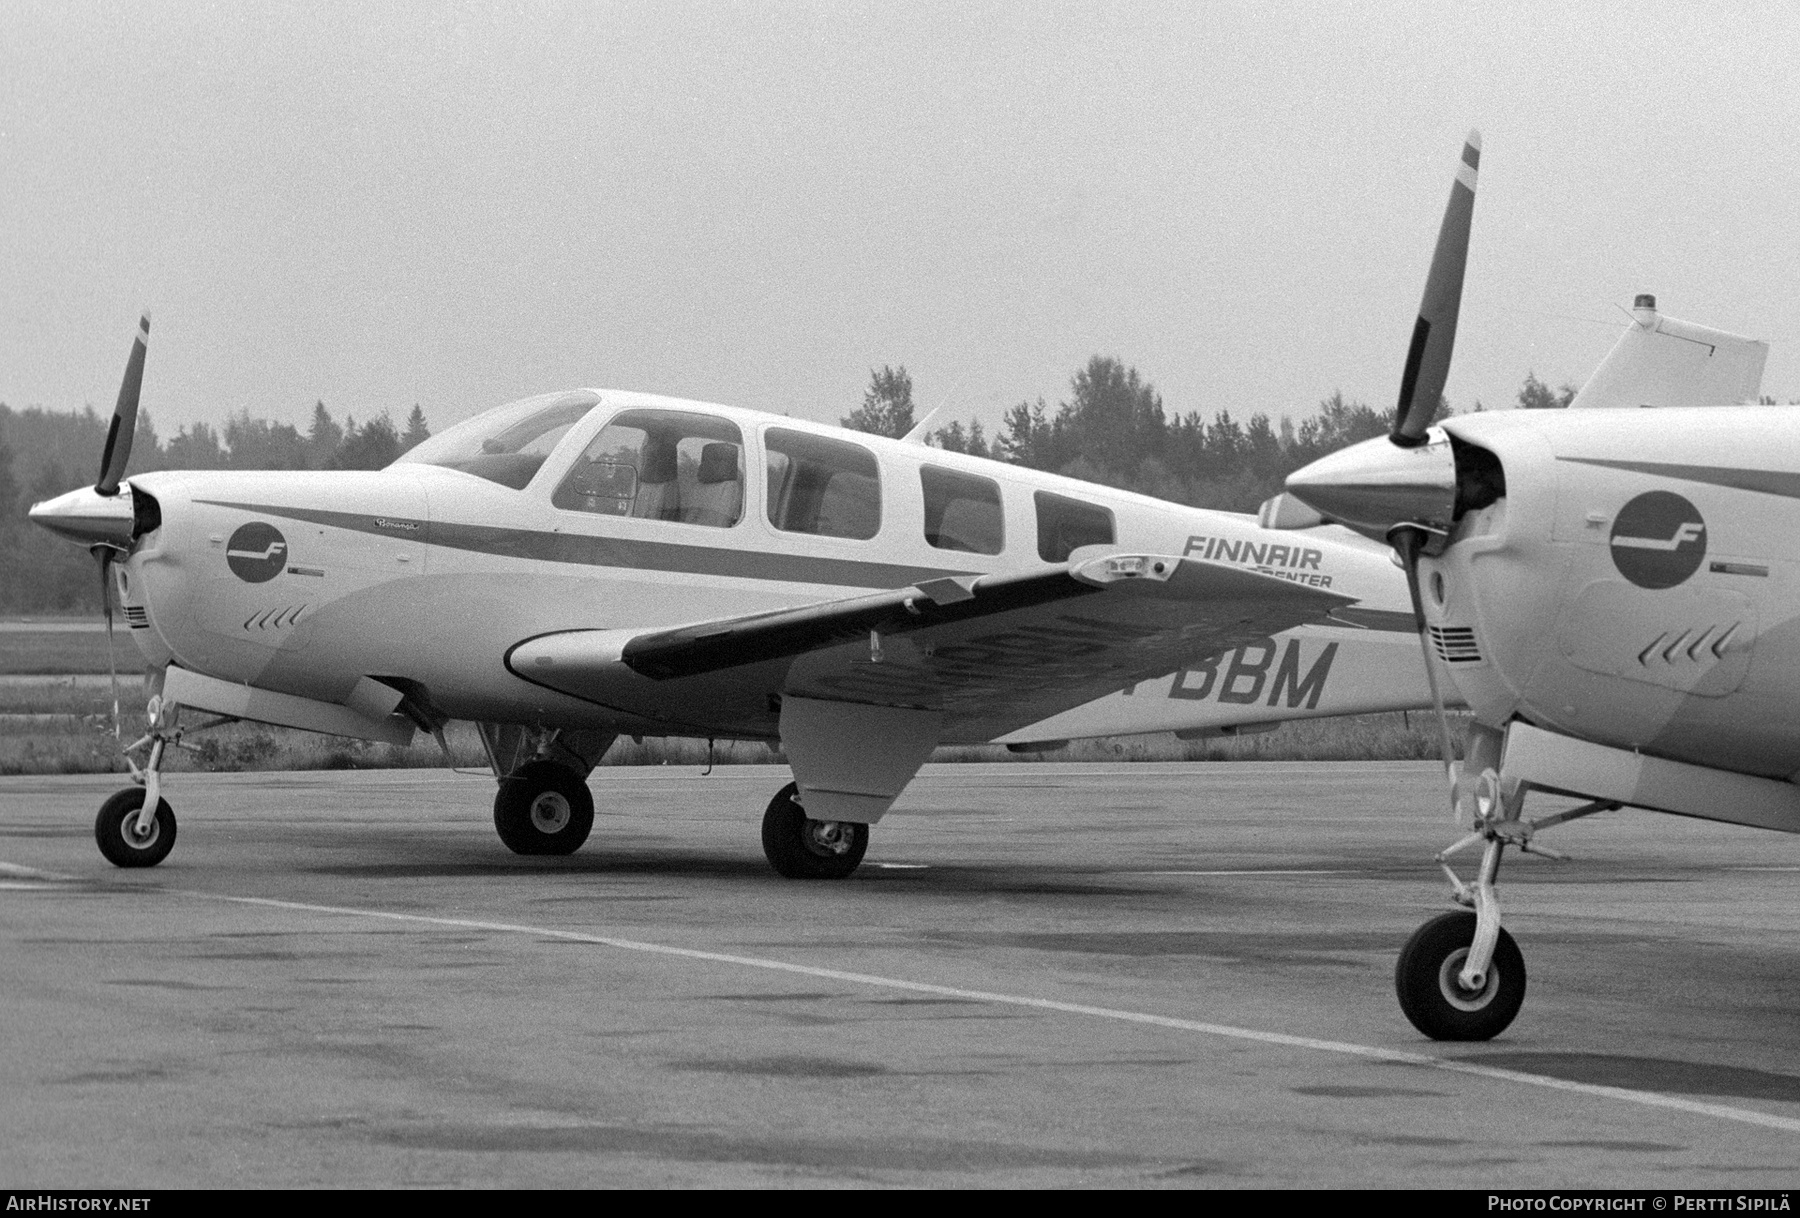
{"type": "Point", "coordinates": [139, 839]}
{"type": "Point", "coordinates": [1459, 996]}
{"type": "Point", "coordinates": [827, 837]}
{"type": "Point", "coordinates": [550, 812]}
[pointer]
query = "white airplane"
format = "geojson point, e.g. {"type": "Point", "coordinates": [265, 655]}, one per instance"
{"type": "Point", "coordinates": [576, 566]}
{"type": "Point", "coordinates": [1613, 594]}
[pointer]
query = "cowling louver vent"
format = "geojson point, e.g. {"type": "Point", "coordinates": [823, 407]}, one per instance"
{"type": "Point", "coordinates": [138, 617]}
{"type": "Point", "coordinates": [1455, 644]}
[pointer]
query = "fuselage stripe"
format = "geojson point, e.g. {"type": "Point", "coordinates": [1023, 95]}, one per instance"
{"type": "Point", "coordinates": [1757, 481]}
{"type": "Point", "coordinates": [628, 553]}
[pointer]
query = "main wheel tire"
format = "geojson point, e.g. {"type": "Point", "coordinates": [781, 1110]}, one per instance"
{"type": "Point", "coordinates": [543, 808]}
{"type": "Point", "coordinates": [1425, 978]}
{"type": "Point", "coordinates": [804, 849]}
{"type": "Point", "coordinates": [115, 829]}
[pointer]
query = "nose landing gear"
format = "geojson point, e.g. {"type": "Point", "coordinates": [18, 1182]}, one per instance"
{"type": "Point", "coordinates": [1461, 976]}
{"type": "Point", "coordinates": [136, 826]}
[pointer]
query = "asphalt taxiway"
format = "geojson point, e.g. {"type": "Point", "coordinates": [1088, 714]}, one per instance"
{"type": "Point", "coordinates": [1044, 974]}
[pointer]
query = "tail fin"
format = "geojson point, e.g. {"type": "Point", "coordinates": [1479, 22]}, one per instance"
{"type": "Point", "coordinates": [1659, 361]}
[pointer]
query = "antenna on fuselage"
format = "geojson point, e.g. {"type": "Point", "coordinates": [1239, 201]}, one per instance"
{"type": "Point", "coordinates": [917, 435]}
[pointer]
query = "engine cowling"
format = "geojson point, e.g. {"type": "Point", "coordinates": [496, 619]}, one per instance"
{"type": "Point", "coordinates": [1628, 579]}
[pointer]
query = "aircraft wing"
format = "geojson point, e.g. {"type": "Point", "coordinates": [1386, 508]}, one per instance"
{"type": "Point", "coordinates": [993, 653]}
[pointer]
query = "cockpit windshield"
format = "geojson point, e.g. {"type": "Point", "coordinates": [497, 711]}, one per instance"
{"type": "Point", "coordinates": [508, 443]}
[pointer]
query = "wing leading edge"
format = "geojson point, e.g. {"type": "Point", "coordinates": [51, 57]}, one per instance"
{"type": "Point", "coordinates": [992, 654]}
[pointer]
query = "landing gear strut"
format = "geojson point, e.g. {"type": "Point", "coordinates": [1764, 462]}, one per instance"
{"type": "Point", "coordinates": [1461, 976]}
{"type": "Point", "coordinates": [136, 826]}
{"type": "Point", "coordinates": [804, 849]}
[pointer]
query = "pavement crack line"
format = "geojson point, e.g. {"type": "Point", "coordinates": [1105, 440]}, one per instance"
{"type": "Point", "coordinates": [1647, 1099]}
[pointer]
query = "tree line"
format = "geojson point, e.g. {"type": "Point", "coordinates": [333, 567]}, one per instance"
{"type": "Point", "coordinates": [1113, 429]}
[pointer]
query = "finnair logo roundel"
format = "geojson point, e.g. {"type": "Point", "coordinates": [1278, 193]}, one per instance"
{"type": "Point", "coordinates": [256, 552]}
{"type": "Point", "coordinates": [1658, 540]}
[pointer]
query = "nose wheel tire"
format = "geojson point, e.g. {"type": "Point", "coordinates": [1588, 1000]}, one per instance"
{"type": "Point", "coordinates": [1434, 999]}
{"type": "Point", "coordinates": [115, 829]}
{"type": "Point", "coordinates": [542, 808]}
{"type": "Point", "coordinates": [804, 849]}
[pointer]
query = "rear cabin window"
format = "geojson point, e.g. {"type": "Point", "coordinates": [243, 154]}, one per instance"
{"type": "Point", "coordinates": [829, 488]}
{"type": "Point", "coordinates": [962, 511]}
{"type": "Point", "coordinates": [1065, 525]}
{"type": "Point", "coordinates": [660, 465]}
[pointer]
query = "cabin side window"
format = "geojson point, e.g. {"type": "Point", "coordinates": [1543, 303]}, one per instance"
{"type": "Point", "coordinates": [826, 487]}
{"type": "Point", "coordinates": [1065, 525]}
{"type": "Point", "coordinates": [670, 465]}
{"type": "Point", "coordinates": [962, 511]}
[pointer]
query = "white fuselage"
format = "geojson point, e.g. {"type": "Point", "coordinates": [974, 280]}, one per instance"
{"type": "Point", "coordinates": [432, 575]}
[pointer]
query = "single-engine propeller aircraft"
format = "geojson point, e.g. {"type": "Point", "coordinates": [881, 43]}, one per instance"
{"type": "Point", "coordinates": [584, 564]}
{"type": "Point", "coordinates": [1613, 594]}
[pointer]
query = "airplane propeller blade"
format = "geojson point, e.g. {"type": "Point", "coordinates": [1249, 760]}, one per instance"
{"type": "Point", "coordinates": [124, 420]}
{"type": "Point", "coordinates": [1375, 485]}
{"type": "Point", "coordinates": [1434, 334]}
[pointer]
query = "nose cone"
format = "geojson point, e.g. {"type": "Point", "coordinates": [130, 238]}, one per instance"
{"type": "Point", "coordinates": [87, 517]}
{"type": "Point", "coordinates": [1377, 484]}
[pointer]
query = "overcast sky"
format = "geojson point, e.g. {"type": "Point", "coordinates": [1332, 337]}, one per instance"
{"type": "Point", "coordinates": [460, 204]}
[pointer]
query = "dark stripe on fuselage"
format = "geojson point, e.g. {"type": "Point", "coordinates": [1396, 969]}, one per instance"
{"type": "Point", "coordinates": [1758, 481]}
{"type": "Point", "coordinates": [625, 553]}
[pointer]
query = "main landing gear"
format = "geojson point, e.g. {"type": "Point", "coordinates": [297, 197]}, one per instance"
{"type": "Point", "coordinates": [543, 805]}
{"type": "Point", "coordinates": [543, 808]}
{"type": "Point", "coordinates": [804, 849]}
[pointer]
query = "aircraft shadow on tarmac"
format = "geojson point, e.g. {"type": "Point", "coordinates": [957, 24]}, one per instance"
{"type": "Point", "coordinates": [1270, 947]}
{"type": "Point", "coordinates": [1663, 1074]}
{"type": "Point", "coordinates": [1011, 880]}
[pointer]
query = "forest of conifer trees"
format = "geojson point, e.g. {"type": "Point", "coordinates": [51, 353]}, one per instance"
{"type": "Point", "coordinates": [1112, 429]}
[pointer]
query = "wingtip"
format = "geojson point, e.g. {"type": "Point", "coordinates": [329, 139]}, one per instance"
{"type": "Point", "coordinates": [144, 323]}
